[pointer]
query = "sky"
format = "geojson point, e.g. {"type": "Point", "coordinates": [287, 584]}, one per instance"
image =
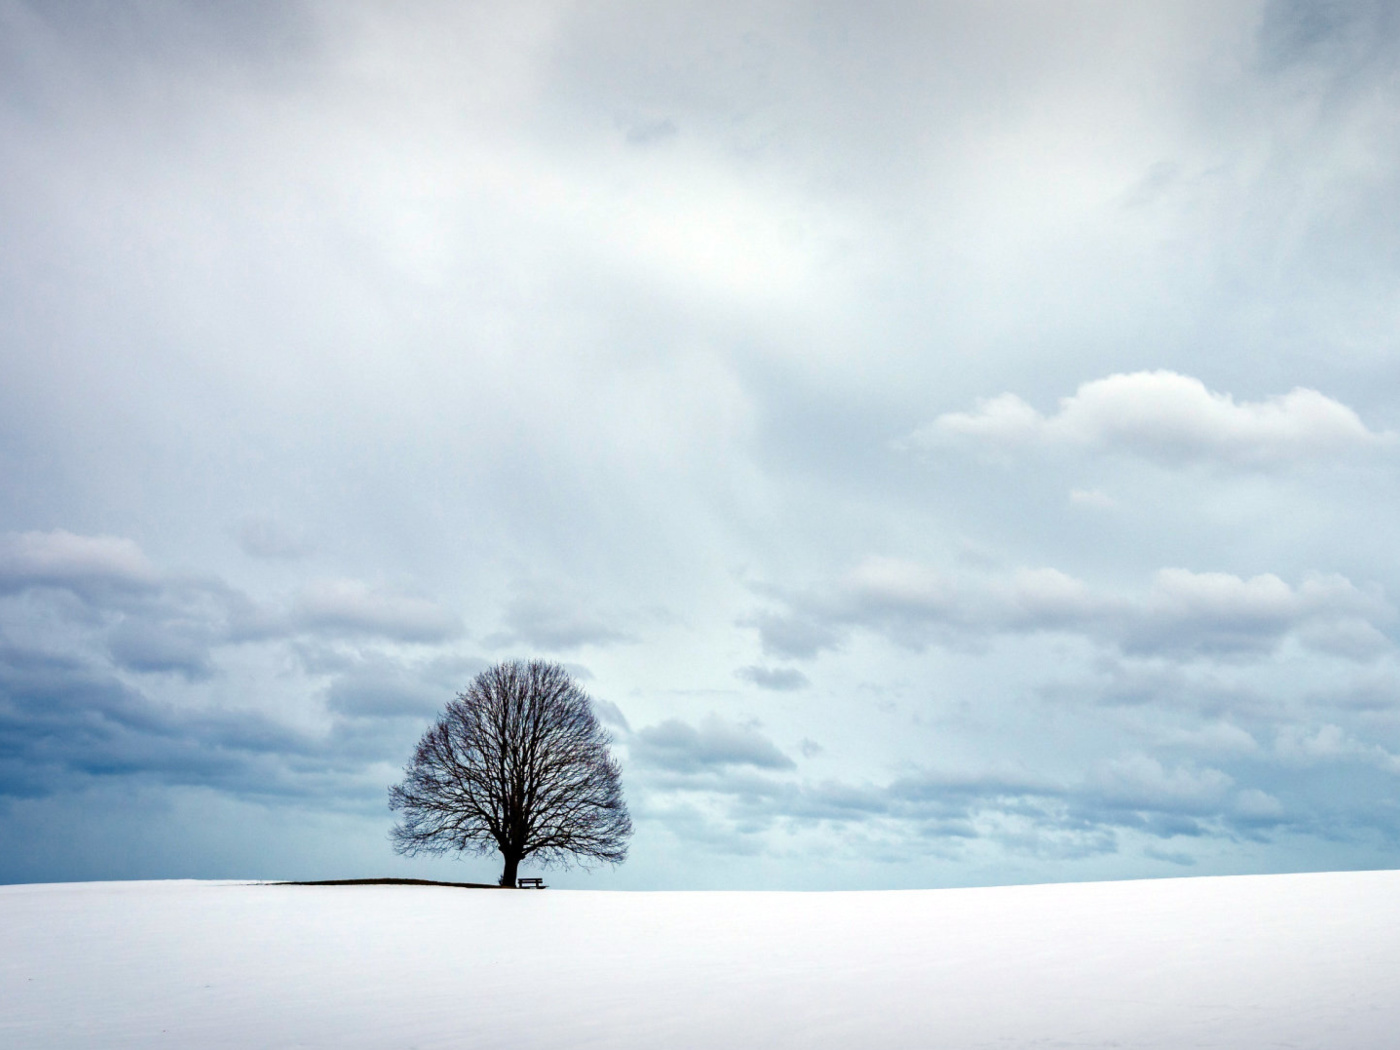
{"type": "Point", "coordinates": [955, 444]}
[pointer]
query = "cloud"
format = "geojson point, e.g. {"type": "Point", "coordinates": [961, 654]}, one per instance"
{"type": "Point", "coordinates": [1255, 805]}
{"type": "Point", "coordinates": [1177, 857]}
{"type": "Point", "coordinates": [1306, 745]}
{"type": "Point", "coordinates": [1167, 417]}
{"type": "Point", "coordinates": [266, 537]}
{"type": "Point", "coordinates": [1200, 688]}
{"type": "Point", "coordinates": [791, 634]}
{"type": "Point", "coordinates": [610, 714]}
{"type": "Point", "coordinates": [1136, 792]}
{"type": "Point", "coordinates": [779, 679]}
{"type": "Point", "coordinates": [161, 622]}
{"type": "Point", "coordinates": [385, 689]}
{"type": "Point", "coordinates": [65, 720]}
{"type": "Point", "coordinates": [933, 810]}
{"type": "Point", "coordinates": [110, 669]}
{"type": "Point", "coordinates": [914, 604]}
{"type": "Point", "coordinates": [1219, 612]}
{"type": "Point", "coordinates": [1376, 691]}
{"type": "Point", "coordinates": [149, 621]}
{"type": "Point", "coordinates": [164, 699]}
{"type": "Point", "coordinates": [1142, 782]}
{"type": "Point", "coordinates": [682, 748]}
{"type": "Point", "coordinates": [1181, 613]}
{"type": "Point", "coordinates": [353, 607]}
{"type": "Point", "coordinates": [374, 683]}
{"type": "Point", "coordinates": [79, 563]}
{"type": "Point", "coordinates": [950, 813]}
{"type": "Point", "coordinates": [141, 645]}
{"type": "Point", "coordinates": [556, 622]}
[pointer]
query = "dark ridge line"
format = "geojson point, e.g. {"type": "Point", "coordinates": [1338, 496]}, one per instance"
{"type": "Point", "coordinates": [391, 882]}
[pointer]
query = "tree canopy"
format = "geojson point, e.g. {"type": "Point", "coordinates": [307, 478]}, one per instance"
{"type": "Point", "coordinates": [518, 763]}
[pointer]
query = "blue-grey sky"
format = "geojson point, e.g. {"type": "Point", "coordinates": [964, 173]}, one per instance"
{"type": "Point", "coordinates": [955, 443]}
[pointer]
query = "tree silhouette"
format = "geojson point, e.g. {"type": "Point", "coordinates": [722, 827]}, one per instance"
{"type": "Point", "coordinates": [517, 763]}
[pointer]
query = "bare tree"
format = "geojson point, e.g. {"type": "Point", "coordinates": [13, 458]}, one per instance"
{"type": "Point", "coordinates": [518, 763]}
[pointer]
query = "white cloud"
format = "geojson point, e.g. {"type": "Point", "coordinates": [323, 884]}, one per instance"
{"type": "Point", "coordinates": [1305, 746]}
{"type": "Point", "coordinates": [1167, 417]}
{"type": "Point", "coordinates": [1180, 593]}
{"type": "Point", "coordinates": [1216, 611]}
{"type": "Point", "coordinates": [63, 559]}
{"type": "Point", "coordinates": [1029, 598]}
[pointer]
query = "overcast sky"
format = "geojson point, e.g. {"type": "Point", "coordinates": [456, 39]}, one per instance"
{"type": "Point", "coordinates": [955, 443]}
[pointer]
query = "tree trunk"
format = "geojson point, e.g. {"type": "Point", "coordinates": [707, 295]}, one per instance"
{"type": "Point", "coordinates": [512, 865]}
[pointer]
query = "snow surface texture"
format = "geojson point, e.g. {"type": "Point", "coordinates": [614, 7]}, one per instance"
{"type": "Point", "coordinates": [1259, 961]}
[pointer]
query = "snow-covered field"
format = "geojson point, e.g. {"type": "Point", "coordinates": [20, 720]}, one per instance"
{"type": "Point", "coordinates": [1268, 961]}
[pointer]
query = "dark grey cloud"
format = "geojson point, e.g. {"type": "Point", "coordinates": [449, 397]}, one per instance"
{"type": "Point", "coordinates": [113, 670]}
{"type": "Point", "coordinates": [67, 721]}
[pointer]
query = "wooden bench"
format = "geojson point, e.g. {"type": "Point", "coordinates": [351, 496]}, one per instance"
{"type": "Point", "coordinates": [530, 884]}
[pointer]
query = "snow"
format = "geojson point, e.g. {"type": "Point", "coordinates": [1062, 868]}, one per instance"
{"type": "Point", "coordinates": [1257, 961]}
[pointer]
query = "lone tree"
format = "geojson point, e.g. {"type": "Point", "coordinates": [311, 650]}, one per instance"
{"type": "Point", "coordinates": [518, 763]}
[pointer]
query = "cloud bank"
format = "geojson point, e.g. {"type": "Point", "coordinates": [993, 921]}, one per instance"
{"type": "Point", "coordinates": [1182, 612]}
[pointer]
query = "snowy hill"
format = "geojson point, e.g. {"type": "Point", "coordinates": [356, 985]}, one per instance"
{"type": "Point", "coordinates": [1295, 960]}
